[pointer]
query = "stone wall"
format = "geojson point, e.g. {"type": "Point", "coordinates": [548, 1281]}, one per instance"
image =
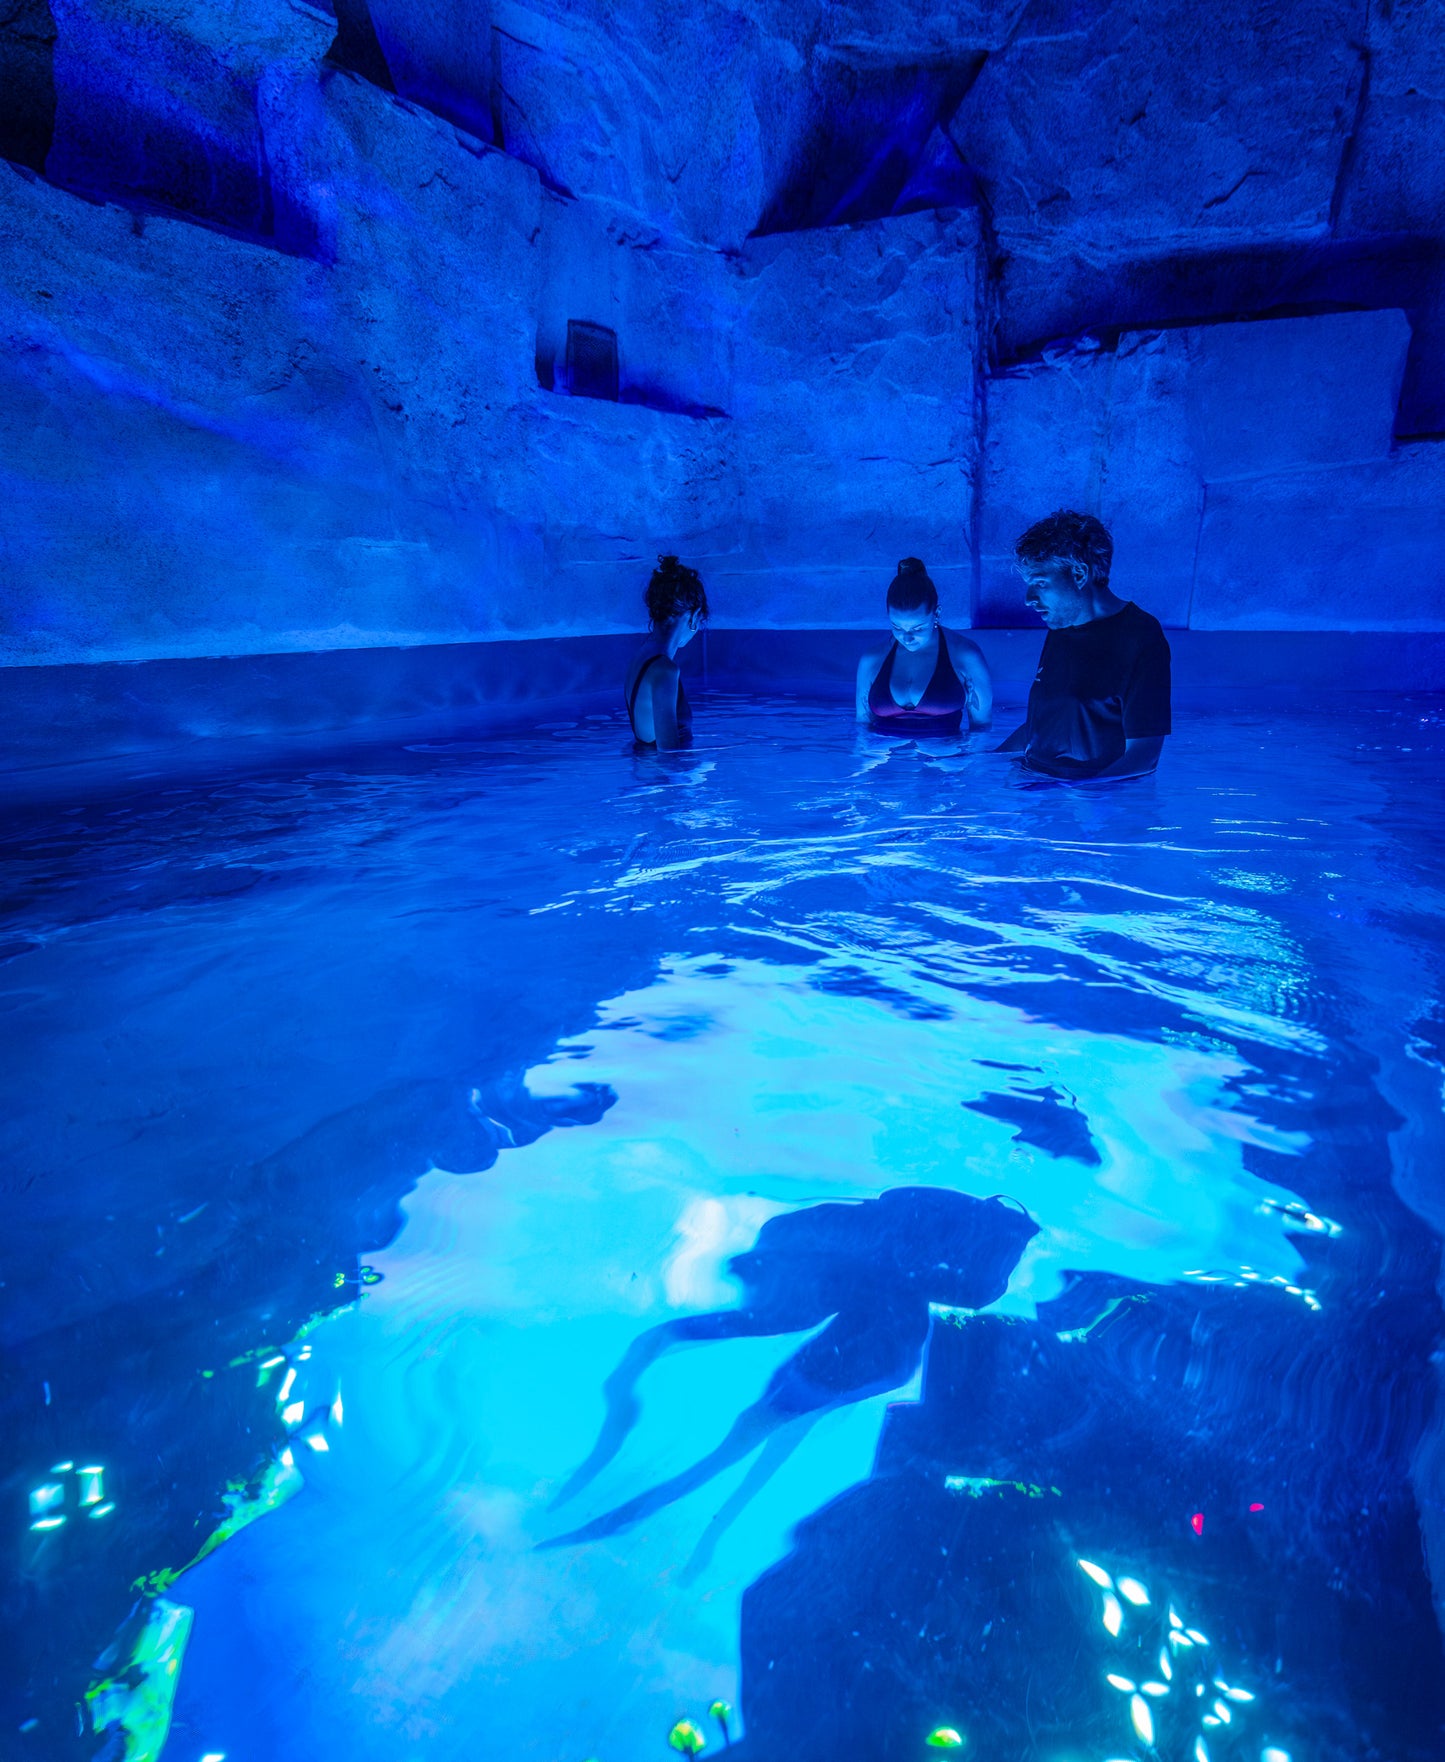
{"type": "Point", "coordinates": [1246, 471]}
{"type": "Point", "coordinates": [284, 307]}
{"type": "Point", "coordinates": [212, 444]}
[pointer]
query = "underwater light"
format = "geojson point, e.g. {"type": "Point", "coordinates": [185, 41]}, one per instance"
{"type": "Point", "coordinates": [1121, 1683]}
{"type": "Point", "coordinates": [1113, 1613]}
{"type": "Point", "coordinates": [1201, 1750]}
{"type": "Point", "coordinates": [92, 1485]}
{"type": "Point", "coordinates": [43, 1499]}
{"type": "Point", "coordinates": [1135, 1593]}
{"type": "Point", "coordinates": [1141, 1719]}
{"type": "Point", "coordinates": [686, 1737]}
{"type": "Point", "coordinates": [48, 1523]}
{"type": "Point", "coordinates": [1097, 1573]}
{"type": "Point", "coordinates": [294, 1414]}
{"type": "Point", "coordinates": [944, 1737]}
{"type": "Point", "coordinates": [103, 1510]}
{"type": "Point", "coordinates": [1269, 1755]}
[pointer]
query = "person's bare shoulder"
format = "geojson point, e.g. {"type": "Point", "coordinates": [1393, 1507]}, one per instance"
{"type": "Point", "coordinates": [961, 646]}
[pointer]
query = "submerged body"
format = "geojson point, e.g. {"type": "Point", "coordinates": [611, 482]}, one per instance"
{"type": "Point", "coordinates": [929, 681]}
{"type": "Point", "coordinates": [1099, 686]}
{"type": "Point", "coordinates": [657, 706]}
{"type": "Point", "coordinates": [1099, 704]}
{"type": "Point", "coordinates": [946, 704]}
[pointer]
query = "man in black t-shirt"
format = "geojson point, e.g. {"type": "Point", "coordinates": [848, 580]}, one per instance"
{"type": "Point", "coordinates": [1099, 704]}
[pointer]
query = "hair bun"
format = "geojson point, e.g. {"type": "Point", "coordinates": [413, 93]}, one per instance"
{"type": "Point", "coordinates": [911, 566]}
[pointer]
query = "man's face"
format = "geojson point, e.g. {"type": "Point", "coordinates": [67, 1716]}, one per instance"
{"type": "Point", "coordinates": [1058, 591]}
{"type": "Point", "coordinates": [911, 630]}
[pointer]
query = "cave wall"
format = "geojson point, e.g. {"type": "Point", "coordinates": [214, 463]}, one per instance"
{"type": "Point", "coordinates": [284, 300]}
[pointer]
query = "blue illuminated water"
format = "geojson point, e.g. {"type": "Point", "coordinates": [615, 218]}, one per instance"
{"type": "Point", "coordinates": [540, 1033]}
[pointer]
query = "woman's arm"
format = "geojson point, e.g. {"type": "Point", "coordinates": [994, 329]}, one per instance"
{"type": "Point", "coordinates": [663, 683]}
{"type": "Point", "coordinates": [972, 669]}
{"type": "Point", "coordinates": [867, 673]}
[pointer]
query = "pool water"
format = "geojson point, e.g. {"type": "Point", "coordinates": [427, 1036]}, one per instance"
{"type": "Point", "coordinates": [529, 1241]}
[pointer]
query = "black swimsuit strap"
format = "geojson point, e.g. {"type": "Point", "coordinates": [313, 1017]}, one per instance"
{"type": "Point", "coordinates": [637, 687]}
{"type": "Point", "coordinates": [945, 660]}
{"type": "Point", "coordinates": [883, 678]}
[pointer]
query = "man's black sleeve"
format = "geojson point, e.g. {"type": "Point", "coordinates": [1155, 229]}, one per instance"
{"type": "Point", "coordinates": [1146, 694]}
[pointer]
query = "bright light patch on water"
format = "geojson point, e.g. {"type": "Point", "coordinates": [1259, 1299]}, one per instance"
{"type": "Point", "coordinates": [792, 975]}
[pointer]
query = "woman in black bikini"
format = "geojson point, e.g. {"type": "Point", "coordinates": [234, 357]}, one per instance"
{"type": "Point", "coordinates": [657, 705]}
{"type": "Point", "coordinates": [931, 681]}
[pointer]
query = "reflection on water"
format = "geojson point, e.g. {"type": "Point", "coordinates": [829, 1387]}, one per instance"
{"type": "Point", "coordinates": [920, 1261]}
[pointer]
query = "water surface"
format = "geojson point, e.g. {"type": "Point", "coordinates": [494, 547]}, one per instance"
{"type": "Point", "coordinates": [362, 1122]}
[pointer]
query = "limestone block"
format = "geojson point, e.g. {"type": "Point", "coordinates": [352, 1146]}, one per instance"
{"type": "Point", "coordinates": [1294, 391]}
{"type": "Point", "coordinates": [1111, 129]}
{"type": "Point", "coordinates": [1395, 179]}
{"type": "Point", "coordinates": [702, 120]}
{"type": "Point", "coordinates": [1105, 432]}
{"type": "Point", "coordinates": [652, 110]}
{"type": "Point", "coordinates": [1134, 433]}
{"type": "Point", "coordinates": [1150, 494]}
{"type": "Point", "coordinates": [855, 378]}
{"type": "Point", "coordinates": [156, 103]}
{"type": "Point", "coordinates": [1350, 547]}
{"type": "Point", "coordinates": [1044, 449]}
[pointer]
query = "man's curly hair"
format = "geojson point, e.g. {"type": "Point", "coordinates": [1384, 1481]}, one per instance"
{"type": "Point", "coordinates": [1070, 538]}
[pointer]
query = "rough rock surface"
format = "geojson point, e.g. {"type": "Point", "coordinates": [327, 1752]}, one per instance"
{"type": "Point", "coordinates": [285, 297]}
{"type": "Point", "coordinates": [1210, 453]}
{"type": "Point", "coordinates": [212, 445]}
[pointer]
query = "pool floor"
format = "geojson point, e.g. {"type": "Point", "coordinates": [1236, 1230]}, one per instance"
{"type": "Point", "coordinates": [516, 1244]}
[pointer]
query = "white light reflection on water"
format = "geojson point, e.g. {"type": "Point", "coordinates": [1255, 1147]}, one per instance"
{"type": "Point", "coordinates": [474, 1371]}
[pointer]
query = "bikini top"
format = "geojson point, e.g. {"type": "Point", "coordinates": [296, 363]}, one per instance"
{"type": "Point", "coordinates": [683, 713]}
{"type": "Point", "coordinates": [939, 711]}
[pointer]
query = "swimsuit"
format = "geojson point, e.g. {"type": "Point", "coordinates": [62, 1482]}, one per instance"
{"type": "Point", "coordinates": [682, 709]}
{"type": "Point", "coordinates": [939, 711]}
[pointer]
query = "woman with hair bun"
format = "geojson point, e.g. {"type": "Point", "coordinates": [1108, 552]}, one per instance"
{"type": "Point", "coordinates": [657, 705]}
{"type": "Point", "coordinates": [930, 681]}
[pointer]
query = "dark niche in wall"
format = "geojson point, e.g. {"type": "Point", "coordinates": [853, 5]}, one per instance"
{"type": "Point", "coordinates": [27, 83]}
{"type": "Point", "coordinates": [591, 361]}
{"type": "Point", "coordinates": [357, 47]}
{"type": "Point", "coordinates": [590, 366]}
